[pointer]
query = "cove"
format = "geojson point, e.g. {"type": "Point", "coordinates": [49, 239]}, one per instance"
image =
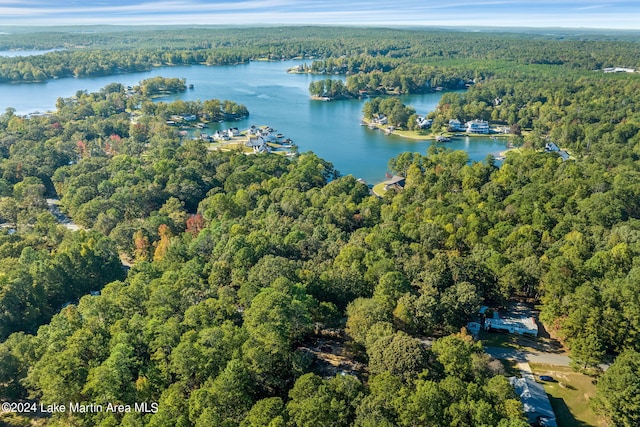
{"type": "Point", "coordinates": [275, 98]}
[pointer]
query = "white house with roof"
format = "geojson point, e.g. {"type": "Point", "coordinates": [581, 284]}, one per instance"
{"type": "Point", "coordinates": [477, 126]}
{"type": "Point", "coordinates": [423, 122]}
{"type": "Point", "coordinates": [535, 402]}
{"type": "Point", "coordinates": [513, 325]}
{"type": "Point", "coordinates": [396, 182]}
{"type": "Point", "coordinates": [380, 119]}
{"type": "Point", "coordinates": [618, 70]}
{"type": "Point", "coordinates": [269, 137]}
{"type": "Point", "coordinates": [455, 125]}
{"type": "Point", "coordinates": [259, 145]}
{"type": "Point", "coordinates": [551, 147]}
{"type": "Point", "coordinates": [220, 135]}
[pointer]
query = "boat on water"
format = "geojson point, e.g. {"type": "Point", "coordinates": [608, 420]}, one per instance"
{"type": "Point", "coordinates": [442, 138]}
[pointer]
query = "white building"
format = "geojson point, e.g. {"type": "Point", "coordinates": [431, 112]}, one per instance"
{"type": "Point", "coordinates": [535, 402]}
{"type": "Point", "coordinates": [513, 325]}
{"type": "Point", "coordinates": [618, 70]}
{"type": "Point", "coordinates": [221, 135]}
{"type": "Point", "coordinates": [551, 147]}
{"type": "Point", "coordinates": [477, 126]}
{"type": "Point", "coordinates": [455, 125]}
{"type": "Point", "coordinates": [423, 122]}
{"type": "Point", "coordinates": [258, 144]}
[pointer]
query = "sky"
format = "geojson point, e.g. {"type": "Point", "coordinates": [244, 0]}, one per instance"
{"type": "Point", "coordinates": [615, 14]}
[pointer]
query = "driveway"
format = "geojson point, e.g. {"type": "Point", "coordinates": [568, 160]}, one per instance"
{"type": "Point", "coordinates": [54, 208]}
{"type": "Point", "coordinates": [528, 356]}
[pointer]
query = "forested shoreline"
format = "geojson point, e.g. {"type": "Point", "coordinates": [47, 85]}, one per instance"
{"type": "Point", "coordinates": [241, 264]}
{"type": "Point", "coordinates": [335, 50]}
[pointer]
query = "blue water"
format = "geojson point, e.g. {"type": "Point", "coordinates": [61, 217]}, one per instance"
{"type": "Point", "coordinates": [274, 98]}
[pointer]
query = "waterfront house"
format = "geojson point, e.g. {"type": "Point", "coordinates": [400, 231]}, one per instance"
{"type": "Point", "coordinates": [396, 182]}
{"type": "Point", "coordinates": [455, 125]}
{"type": "Point", "coordinates": [264, 148]}
{"type": "Point", "coordinates": [270, 138]}
{"type": "Point", "coordinates": [258, 144]}
{"type": "Point", "coordinates": [220, 135]}
{"type": "Point", "coordinates": [423, 122]}
{"type": "Point", "coordinates": [477, 126]}
{"type": "Point", "coordinates": [380, 119]}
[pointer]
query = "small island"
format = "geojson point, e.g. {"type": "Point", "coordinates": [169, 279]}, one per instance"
{"type": "Point", "coordinates": [328, 90]}
{"type": "Point", "coordinates": [162, 86]}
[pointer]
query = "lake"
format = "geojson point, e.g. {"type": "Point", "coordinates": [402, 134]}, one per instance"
{"type": "Point", "coordinates": [16, 53]}
{"type": "Point", "coordinates": [274, 98]}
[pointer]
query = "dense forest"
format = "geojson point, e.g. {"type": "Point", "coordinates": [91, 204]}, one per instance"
{"type": "Point", "coordinates": [393, 110]}
{"type": "Point", "coordinates": [340, 50]}
{"type": "Point", "coordinates": [330, 89]}
{"type": "Point", "coordinates": [240, 263]}
{"type": "Point", "coordinates": [251, 274]}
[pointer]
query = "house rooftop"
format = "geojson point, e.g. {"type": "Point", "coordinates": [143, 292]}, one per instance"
{"type": "Point", "coordinates": [535, 401]}
{"type": "Point", "coordinates": [396, 180]}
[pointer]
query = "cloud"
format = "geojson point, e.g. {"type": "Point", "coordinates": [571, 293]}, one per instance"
{"type": "Point", "coordinates": [543, 13]}
{"type": "Point", "coordinates": [151, 7]}
{"type": "Point", "coordinates": [595, 6]}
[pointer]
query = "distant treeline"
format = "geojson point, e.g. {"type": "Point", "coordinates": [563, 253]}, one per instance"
{"type": "Point", "coordinates": [357, 49]}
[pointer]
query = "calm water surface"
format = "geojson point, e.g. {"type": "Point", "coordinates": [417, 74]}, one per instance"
{"type": "Point", "coordinates": [14, 53]}
{"type": "Point", "coordinates": [274, 98]}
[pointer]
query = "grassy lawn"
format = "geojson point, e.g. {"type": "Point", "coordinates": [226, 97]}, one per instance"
{"type": "Point", "coordinates": [497, 339]}
{"type": "Point", "coordinates": [414, 134]}
{"type": "Point", "coordinates": [570, 395]}
{"type": "Point", "coordinates": [379, 190]}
